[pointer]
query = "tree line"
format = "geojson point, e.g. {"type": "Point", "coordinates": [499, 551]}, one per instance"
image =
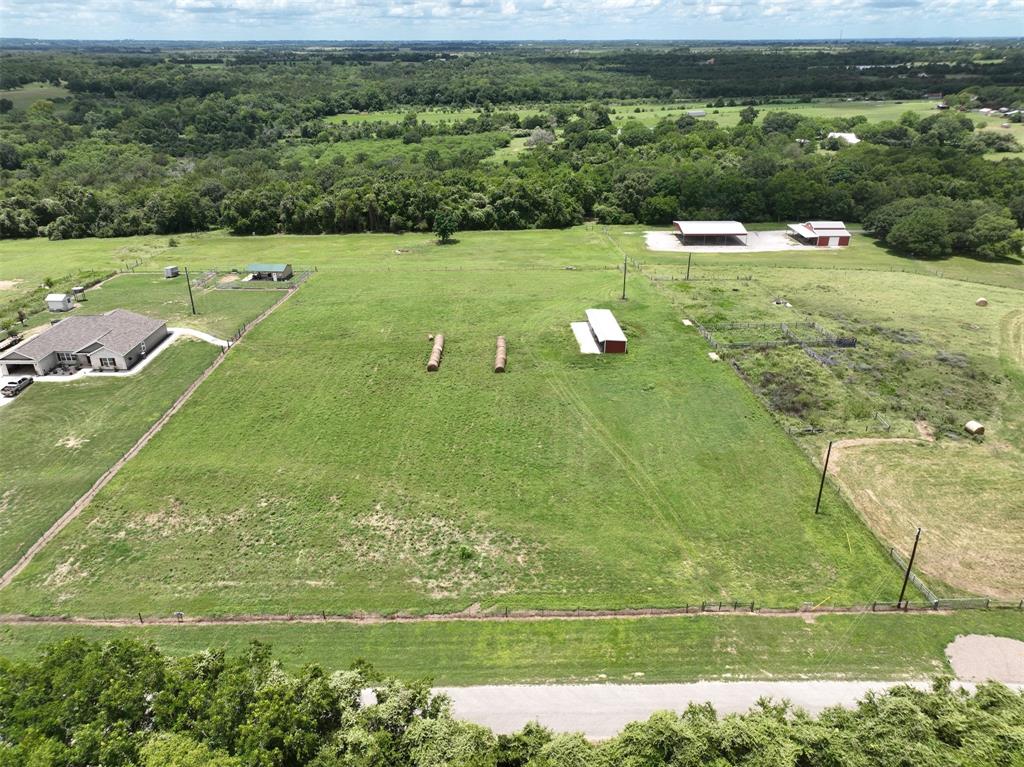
{"type": "Point", "coordinates": [125, 704]}
{"type": "Point", "coordinates": [146, 144]}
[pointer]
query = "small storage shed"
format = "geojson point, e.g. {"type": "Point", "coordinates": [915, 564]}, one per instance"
{"type": "Point", "coordinates": [170, 271]}
{"type": "Point", "coordinates": [59, 302]}
{"type": "Point", "coordinates": [609, 336]}
{"type": "Point", "coordinates": [275, 272]}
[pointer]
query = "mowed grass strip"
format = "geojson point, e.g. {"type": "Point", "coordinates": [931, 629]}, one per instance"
{"type": "Point", "coordinates": [58, 438]}
{"type": "Point", "coordinates": [634, 650]}
{"type": "Point", "coordinates": [321, 468]}
{"type": "Point", "coordinates": [218, 311]}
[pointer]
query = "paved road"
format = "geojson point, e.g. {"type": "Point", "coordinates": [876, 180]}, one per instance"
{"type": "Point", "coordinates": [601, 710]}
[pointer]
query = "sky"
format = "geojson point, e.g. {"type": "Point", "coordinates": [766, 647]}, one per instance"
{"type": "Point", "coordinates": [507, 19]}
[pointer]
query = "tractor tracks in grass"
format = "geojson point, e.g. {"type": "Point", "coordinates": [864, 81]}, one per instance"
{"type": "Point", "coordinates": [633, 469]}
{"type": "Point", "coordinates": [83, 502]}
{"type": "Point", "coordinates": [1011, 336]}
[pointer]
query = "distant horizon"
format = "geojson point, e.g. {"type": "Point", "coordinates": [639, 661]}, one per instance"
{"type": "Point", "coordinates": [509, 40]}
{"type": "Point", "coordinates": [236, 21]}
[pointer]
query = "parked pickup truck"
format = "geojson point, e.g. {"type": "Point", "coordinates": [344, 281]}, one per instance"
{"type": "Point", "coordinates": [17, 387]}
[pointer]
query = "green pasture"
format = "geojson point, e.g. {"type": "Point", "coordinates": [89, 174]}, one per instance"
{"type": "Point", "coordinates": [379, 152]}
{"type": "Point", "coordinates": [30, 93]}
{"type": "Point", "coordinates": [875, 111]}
{"type": "Point", "coordinates": [634, 651]}
{"type": "Point", "coordinates": [427, 115]}
{"type": "Point", "coordinates": [60, 437]}
{"type": "Point", "coordinates": [926, 355]}
{"type": "Point", "coordinates": [328, 471]}
{"type": "Point", "coordinates": [219, 310]}
{"type": "Point", "coordinates": [864, 253]}
{"type": "Point", "coordinates": [506, 153]}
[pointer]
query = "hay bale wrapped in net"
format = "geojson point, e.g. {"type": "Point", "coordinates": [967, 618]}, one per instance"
{"type": "Point", "coordinates": [435, 354]}
{"type": "Point", "coordinates": [501, 355]}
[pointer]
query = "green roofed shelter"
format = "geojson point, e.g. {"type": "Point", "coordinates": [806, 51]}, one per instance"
{"type": "Point", "coordinates": [273, 272]}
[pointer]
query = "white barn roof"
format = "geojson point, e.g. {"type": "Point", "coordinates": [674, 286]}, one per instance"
{"type": "Point", "coordinates": [710, 228]}
{"type": "Point", "coordinates": [604, 325]}
{"type": "Point", "coordinates": [849, 138]}
{"type": "Point", "coordinates": [584, 337]}
{"type": "Point", "coordinates": [57, 297]}
{"type": "Point", "coordinates": [814, 229]}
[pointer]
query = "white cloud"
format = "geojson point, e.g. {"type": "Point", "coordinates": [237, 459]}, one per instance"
{"type": "Point", "coordinates": [505, 19]}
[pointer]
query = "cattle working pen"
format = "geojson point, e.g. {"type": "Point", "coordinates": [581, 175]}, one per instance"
{"type": "Point", "coordinates": [770, 335]}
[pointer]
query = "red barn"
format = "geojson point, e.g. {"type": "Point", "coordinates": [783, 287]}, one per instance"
{"type": "Point", "coordinates": [821, 233]}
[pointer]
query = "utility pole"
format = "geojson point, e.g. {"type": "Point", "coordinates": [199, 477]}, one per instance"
{"type": "Point", "coordinates": [824, 470]}
{"type": "Point", "coordinates": [624, 259]}
{"type": "Point", "coordinates": [188, 282]}
{"type": "Point", "coordinates": [906, 576]}
{"type": "Point", "coordinates": [689, 260]}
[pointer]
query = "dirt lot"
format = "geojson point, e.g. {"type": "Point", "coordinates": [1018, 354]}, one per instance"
{"type": "Point", "coordinates": [979, 658]}
{"type": "Point", "coordinates": [757, 242]}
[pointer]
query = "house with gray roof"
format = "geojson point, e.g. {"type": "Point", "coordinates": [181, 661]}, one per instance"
{"type": "Point", "coordinates": [115, 340]}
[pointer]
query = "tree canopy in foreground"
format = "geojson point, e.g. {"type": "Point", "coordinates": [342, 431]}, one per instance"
{"type": "Point", "coordinates": [125, 703]}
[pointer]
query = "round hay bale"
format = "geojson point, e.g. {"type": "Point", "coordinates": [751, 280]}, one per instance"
{"type": "Point", "coordinates": [435, 354]}
{"type": "Point", "coordinates": [981, 302]}
{"type": "Point", "coordinates": [501, 355]}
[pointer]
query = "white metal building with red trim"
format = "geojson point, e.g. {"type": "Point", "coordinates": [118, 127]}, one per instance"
{"type": "Point", "coordinates": [821, 233]}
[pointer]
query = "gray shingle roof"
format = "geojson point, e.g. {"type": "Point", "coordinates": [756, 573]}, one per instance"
{"type": "Point", "coordinates": [118, 330]}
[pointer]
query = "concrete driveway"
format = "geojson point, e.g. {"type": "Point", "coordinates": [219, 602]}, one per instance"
{"type": "Point", "coordinates": [600, 711]}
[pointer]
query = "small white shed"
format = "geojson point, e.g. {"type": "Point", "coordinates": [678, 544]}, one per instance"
{"type": "Point", "coordinates": [59, 302]}
{"type": "Point", "coordinates": [170, 271]}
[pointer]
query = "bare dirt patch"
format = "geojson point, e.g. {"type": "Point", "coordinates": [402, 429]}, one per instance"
{"type": "Point", "coordinates": [977, 658]}
{"type": "Point", "coordinates": [445, 558]}
{"type": "Point", "coordinates": [10, 284]}
{"type": "Point", "coordinates": [839, 448]}
{"type": "Point", "coordinates": [227, 278]}
{"type": "Point", "coordinates": [925, 431]}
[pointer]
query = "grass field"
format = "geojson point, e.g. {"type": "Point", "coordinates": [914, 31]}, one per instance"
{"type": "Point", "coordinates": [615, 650]}
{"type": "Point", "coordinates": [219, 311]}
{"type": "Point", "coordinates": [30, 93]}
{"type": "Point", "coordinates": [379, 152]}
{"type": "Point", "coordinates": [303, 493]}
{"type": "Point", "coordinates": [874, 111]}
{"type": "Point", "coordinates": [328, 471]}
{"type": "Point", "coordinates": [651, 112]}
{"type": "Point", "coordinates": [424, 115]}
{"type": "Point", "coordinates": [59, 437]}
{"type": "Point", "coordinates": [926, 354]}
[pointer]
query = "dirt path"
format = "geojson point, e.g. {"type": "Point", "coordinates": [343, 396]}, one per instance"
{"type": "Point", "coordinates": [469, 615]}
{"type": "Point", "coordinates": [840, 446]}
{"type": "Point", "coordinates": [110, 473]}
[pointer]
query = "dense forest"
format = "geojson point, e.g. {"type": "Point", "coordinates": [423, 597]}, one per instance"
{"type": "Point", "coordinates": [124, 704]}
{"type": "Point", "coordinates": [262, 140]}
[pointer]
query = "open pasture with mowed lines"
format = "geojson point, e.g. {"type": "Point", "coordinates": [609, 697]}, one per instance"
{"type": "Point", "coordinates": [322, 468]}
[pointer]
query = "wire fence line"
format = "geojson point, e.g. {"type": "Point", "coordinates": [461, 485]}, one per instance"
{"type": "Point", "coordinates": [500, 613]}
